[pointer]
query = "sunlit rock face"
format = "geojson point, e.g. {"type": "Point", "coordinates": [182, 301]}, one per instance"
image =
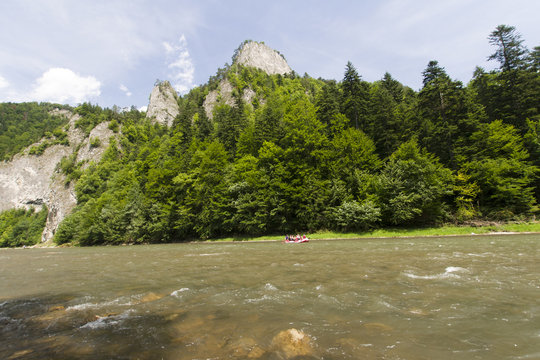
{"type": "Point", "coordinates": [35, 180]}
{"type": "Point", "coordinates": [250, 54]}
{"type": "Point", "coordinates": [163, 105]}
{"type": "Point", "coordinates": [260, 56]}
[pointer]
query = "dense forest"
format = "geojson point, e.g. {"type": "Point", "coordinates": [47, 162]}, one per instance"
{"type": "Point", "coordinates": [23, 124]}
{"type": "Point", "coordinates": [309, 154]}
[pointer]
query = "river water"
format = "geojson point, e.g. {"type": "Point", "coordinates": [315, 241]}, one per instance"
{"type": "Point", "coordinates": [474, 297]}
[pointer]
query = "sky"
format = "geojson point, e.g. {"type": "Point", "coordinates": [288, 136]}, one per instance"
{"type": "Point", "coordinates": [111, 52]}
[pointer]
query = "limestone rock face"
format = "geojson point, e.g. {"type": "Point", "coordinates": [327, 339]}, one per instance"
{"type": "Point", "coordinates": [163, 105]}
{"type": "Point", "coordinates": [30, 180]}
{"type": "Point", "coordinates": [223, 95]}
{"type": "Point", "coordinates": [260, 56]}
{"type": "Point", "coordinates": [252, 54]}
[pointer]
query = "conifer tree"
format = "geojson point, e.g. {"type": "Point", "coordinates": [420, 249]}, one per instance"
{"type": "Point", "coordinates": [510, 51]}
{"type": "Point", "coordinates": [355, 95]}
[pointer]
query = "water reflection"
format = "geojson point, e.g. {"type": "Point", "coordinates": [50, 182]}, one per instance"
{"type": "Point", "coordinates": [466, 298]}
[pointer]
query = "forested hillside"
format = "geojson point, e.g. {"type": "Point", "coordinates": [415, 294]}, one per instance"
{"type": "Point", "coordinates": [307, 154]}
{"type": "Point", "coordinates": [22, 124]}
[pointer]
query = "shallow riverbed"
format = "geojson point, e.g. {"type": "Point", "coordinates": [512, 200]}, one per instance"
{"type": "Point", "coordinates": [474, 297]}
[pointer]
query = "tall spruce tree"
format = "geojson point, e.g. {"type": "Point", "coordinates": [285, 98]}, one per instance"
{"type": "Point", "coordinates": [355, 95]}
{"type": "Point", "coordinates": [510, 51]}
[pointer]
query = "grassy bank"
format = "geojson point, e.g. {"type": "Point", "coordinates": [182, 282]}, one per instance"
{"type": "Point", "coordinates": [446, 230]}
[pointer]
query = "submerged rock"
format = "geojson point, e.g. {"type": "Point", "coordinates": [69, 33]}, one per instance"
{"type": "Point", "coordinates": [292, 343]}
{"type": "Point", "coordinates": [379, 327]}
{"type": "Point", "coordinates": [151, 297]}
{"type": "Point", "coordinates": [245, 348]}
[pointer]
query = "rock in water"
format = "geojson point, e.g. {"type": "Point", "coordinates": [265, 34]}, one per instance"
{"type": "Point", "coordinates": [163, 105]}
{"type": "Point", "coordinates": [260, 56]}
{"type": "Point", "coordinates": [292, 343]}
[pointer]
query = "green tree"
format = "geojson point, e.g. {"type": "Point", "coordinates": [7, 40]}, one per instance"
{"type": "Point", "coordinates": [355, 96]}
{"type": "Point", "coordinates": [205, 206]}
{"type": "Point", "coordinates": [413, 186]}
{"type": "Point", "coordinates": [446, 117]}
{"type": "Point", "coordinates": [499, 165]}
{"type": "Point", "coordinates": [328, 102]}
{"type": "Point", "coordinates": [510, 52]}
{"type": "Point", "coordinates": [269, 122]}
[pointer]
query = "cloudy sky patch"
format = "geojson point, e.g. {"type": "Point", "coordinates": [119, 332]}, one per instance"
{"type": "Point", "coordinates": [59, 85]}
{"type": "Point", "coordinates": [125, 90]}
{"type": "Point", "coordinates": [181, 69]}
{"type": "Point", "coordinates": [3, 82]}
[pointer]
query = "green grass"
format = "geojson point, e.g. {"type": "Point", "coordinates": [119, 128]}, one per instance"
{"type": "Point", "coordinates": [446, 230]}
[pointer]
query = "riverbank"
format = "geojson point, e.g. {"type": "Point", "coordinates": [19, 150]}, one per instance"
{"type": "Point", "coordinates": [446, 230]}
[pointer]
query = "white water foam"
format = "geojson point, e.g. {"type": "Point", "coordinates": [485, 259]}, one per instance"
{"type": "Point", "coordinates": [269, 286]}
{"type": "Point", "coordinates": [449, 273]}
{"type": "Point", "coordinates": [85, 306]}
{"type": "Point", "coordinates": [178, 293]}
{"type": "Point", "coordinates": [106, 321]}
{"type": "Point", "coordinates": [208, 254]}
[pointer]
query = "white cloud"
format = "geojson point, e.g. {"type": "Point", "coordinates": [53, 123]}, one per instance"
{"type": "Point", "coordinates": [3, 82]}
{"type": "Point", "coordinates": [64, 86]}
{"type": "Point", "coordinates": [143, 108]}
{"type": "Point", "coordinates": [125, 90]}
{"type": "Point", "coordinates": [180, 65]}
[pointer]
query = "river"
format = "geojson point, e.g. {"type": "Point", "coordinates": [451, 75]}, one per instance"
{"type": "Point", "coordinates": [472, 297]}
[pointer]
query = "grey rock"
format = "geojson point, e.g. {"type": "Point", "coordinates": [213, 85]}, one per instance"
{"type": "Point", "coordinates": [163, 105]}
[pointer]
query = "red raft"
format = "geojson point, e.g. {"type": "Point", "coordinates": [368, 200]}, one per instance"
{"type": "Point", "coordinates": [296, 241]}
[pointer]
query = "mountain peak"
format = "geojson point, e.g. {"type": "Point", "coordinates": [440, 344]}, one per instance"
{"type": "Point", "coordinates": [259, 55]}
{"type": "Point", "coordinates": [163, 104]}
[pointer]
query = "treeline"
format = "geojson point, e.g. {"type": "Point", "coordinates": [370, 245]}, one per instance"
{"type": "Point", "coordinates": [22, 124]}
{"type": "Point", "coordinates": [308, 154]}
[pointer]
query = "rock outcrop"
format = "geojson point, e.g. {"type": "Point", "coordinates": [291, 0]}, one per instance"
{"type": "Point", "coordinates": [30, 180]}
{"type": "Point", "coordinates": [163, 105]}
{"type": "Point", "coordinates": [223, 95]}
{"type": "Point", "coordinates": [292, 343]}
{"type": "Point", "coordinates": [261, 56]}
{"type": "Point", "coordinates": [250, 54]}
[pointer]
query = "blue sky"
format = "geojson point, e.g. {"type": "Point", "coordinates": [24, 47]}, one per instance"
{"type": "Point", "coordinates": [111, 52]}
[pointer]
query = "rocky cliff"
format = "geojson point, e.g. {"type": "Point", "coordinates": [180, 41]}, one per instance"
{"type": "Point", "coordinates": [261, 56]}
{"type": "Point", "coordinates": [163, 104]}
{"type": "Point", "coordinates": [30, 180]}
{"type": "Point", "coordinates": [250, 54]}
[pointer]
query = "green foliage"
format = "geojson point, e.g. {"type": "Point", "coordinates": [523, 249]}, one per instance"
{"type": "Point", "coordinates": [20, 227]}
{"type": "Point", "coordinates": [511, 93]}
{"type": "Point", "coordinates": [498, 163]}
{"type": "Point", "coordinates": [91, 115]}
{"type": "Point", "coordinates": [23, 124]}
{"type": "Point", "coordinates": [355, 97]}
{"type": "Point", "coordinates": [309, 154]}
{"type": "Point", "coordinates": [510, 50]}
{"type": "Point", "coordinates": [412, 187]}
{"type": "Point", "coordinates": [95, 142]}
{"type": "Point", "coordinates": [355, 216]}
{"type": "Point", "coordinates": [466, 194]}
